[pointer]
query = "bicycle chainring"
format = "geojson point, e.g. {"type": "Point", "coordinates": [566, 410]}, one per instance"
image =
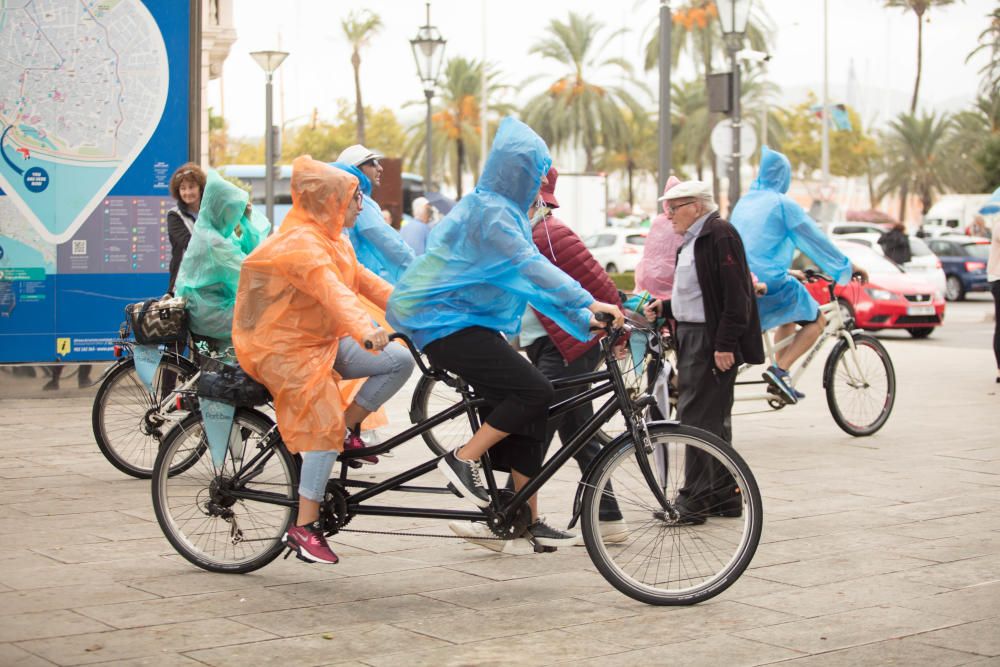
{"type": "Point", "coordinates": [511, 528]}
{"type": "Point", "coordinates": [333, 511]}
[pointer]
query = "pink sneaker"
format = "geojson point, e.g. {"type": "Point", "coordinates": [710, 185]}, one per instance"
{"type": "Point", "coordinates": [353, 441]}
{"type": "Point", "coordinates": [309, 543]}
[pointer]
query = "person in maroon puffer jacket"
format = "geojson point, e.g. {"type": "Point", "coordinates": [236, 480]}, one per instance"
{"type": "Point", "coordinates": [553, 351]}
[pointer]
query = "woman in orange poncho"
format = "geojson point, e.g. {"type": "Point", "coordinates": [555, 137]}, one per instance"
{"type": "Point", "coordinates": [299, 327]}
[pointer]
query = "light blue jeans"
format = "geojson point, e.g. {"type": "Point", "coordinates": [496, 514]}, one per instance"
{"type": "Point", "coordinates": [387, 371]}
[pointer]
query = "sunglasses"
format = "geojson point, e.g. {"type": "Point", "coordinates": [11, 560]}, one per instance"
{"type": "Point", "coordinates": [371, 163]}
{"type": "Point", "coordinates": [673, 209]}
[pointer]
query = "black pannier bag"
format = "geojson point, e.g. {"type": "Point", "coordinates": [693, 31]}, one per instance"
{"type": "Point", "coordinates": [230, 384]}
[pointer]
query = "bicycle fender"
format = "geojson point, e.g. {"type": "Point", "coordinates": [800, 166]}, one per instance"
{"type": "Point", "coordinates": [111, 368]}
{"type": "Point", "coordinates": [608, 450]}
{"type": "Point", "coordinates": [828, 368]}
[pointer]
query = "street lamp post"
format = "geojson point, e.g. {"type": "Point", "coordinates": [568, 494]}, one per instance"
{"type": "Point", "coordinates": [269, 61]}
{"type": "Point", "coordinates": [733, 18]}
{"type": "Point", "coordinates": [428, 52]}
{"type": "Point", "coordinates": [666, 25]}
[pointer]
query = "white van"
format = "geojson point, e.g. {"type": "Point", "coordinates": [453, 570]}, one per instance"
{"type": "Point", "coordinates": [952, 214]}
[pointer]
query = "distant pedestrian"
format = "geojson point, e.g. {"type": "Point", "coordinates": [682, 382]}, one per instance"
{"type": "Point", "coordinates": [978, 228]}
{"type": "Point", "coordinates": [993, 274]}
{"type": "Point", "coordinates": [416, 230]}
{"type": "Point", "coordinates": [896, 244]}
{"type": "Point", "coordinates": [187, 186]}
{"type": "Point", "coordinates": [655, 272]}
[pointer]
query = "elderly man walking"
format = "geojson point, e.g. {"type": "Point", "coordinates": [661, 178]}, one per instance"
{"type": "Point", "coordinates": [717, 330]}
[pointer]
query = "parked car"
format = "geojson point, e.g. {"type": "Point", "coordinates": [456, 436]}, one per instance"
{"type": "Point", "coordinates": [617, 249]}
{"type": "Point", "coordinates": [851, 227]}
{"type": "Point", "coordinates": [963, 259]}
{"type": "Point", "coordinates": [891, 299]}
{"type": "Point", "coordinates": [923, 263]}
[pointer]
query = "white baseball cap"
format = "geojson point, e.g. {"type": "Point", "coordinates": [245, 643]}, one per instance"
{"type": "Point", "coordinates": [357, 155]}
{"type": "Point", "coordinates": [684, 189]}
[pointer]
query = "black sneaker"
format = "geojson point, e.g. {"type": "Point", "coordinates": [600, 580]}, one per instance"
{"type": "Point", "coordinates": [545, 535]}
{"type": "Point", "coordinates": [464, 475]}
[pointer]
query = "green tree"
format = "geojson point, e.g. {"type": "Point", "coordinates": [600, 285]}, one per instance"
{"type": "Point", "coordinates": [966, 147]}
{"type": "Point", "coordinates": [914, 148]}
{"type": "Point", "coordinates": [988, 157]}
{"type": "Point", "coordinates": [324, 140]}
{"type": "Point", "coordinates": [637, 154]}
{"type": "Point", "coordinates": [850, 150]}
{"type": "Point", "coordinates": [989, 42]}
{"type": "Point", "coordinates": [359, 28]}
{"type": "Point", "coordinates": [919, 9]}
{"type": "Point", "coordinates": [575, 109]}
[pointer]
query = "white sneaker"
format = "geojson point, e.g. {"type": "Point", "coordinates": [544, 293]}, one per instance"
{"type": "Point", "coordinates": [612, 532]}
{"type": "Point", "coordinates": [478, 534]}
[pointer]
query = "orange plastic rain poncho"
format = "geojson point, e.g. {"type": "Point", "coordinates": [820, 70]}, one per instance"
{"type": "Point", "coordinates": [298, 295]}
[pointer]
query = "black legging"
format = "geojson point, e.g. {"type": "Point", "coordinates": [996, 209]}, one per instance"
{"type": "Point", "coordinates": [995, 289]}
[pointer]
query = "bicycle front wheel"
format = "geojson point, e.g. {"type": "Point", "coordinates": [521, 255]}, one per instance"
{"type": "Point", "coordinates": [128, 420]}
{"type": "Point", "coordinates": [860, 385]}
{"type": "Point", "coordinates": [651, 553]}
{"type": "Point", "coordinates": [195, 503]}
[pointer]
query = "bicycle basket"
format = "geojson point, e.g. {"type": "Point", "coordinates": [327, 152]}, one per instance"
{"type": "Point", "coordinates": [155, 321]}
{"type": "Point", "coordinates": [230, 384]}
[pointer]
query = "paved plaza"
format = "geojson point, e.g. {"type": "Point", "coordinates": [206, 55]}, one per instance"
{"type": "Point", "coordinates": [880, 550]}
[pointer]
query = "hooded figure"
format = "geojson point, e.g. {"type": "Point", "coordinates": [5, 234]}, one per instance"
{"type": "Point", "coordinates": [655, 272]}
{"type": "Point", "coordinates": [377, 245]}
{"type": "Point", "coordinates": [772, 226]}
{"type": "Point", "coordinates": [481, 267]}
{"type": "Point", "coordinates": [210, 271]}
{"type": "Point", "coordinates": [298, 296]}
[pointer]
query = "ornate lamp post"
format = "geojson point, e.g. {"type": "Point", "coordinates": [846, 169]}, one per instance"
{"type": "Point", "coordinates": [733, 17]}
{"type": "Point", "coordinates": [428, 52]}
{"type": "Point", "coordinates": [269, 61]}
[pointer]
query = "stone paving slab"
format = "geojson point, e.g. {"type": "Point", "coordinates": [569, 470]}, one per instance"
{"type": "Point", "coordinates": [882, 550]}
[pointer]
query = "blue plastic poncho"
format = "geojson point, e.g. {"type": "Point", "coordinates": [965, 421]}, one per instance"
{"type": "Point", "coordinates": [377, 245]}
{"type": "Point", "coordinates": [772, 226]}
{"type": "Point", "coordinates": [481, 267]}
{"type": "Point", "coordinates": [210, 271]}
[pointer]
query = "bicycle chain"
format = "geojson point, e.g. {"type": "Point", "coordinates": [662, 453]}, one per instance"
{"type": "Point", "coordinates": [402, 534]}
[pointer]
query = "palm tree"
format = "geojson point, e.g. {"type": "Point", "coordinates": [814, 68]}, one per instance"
{"type": "Point", "coordinates": [639, 153]}
{"type": "Point", "coordinates": [919, 8]}
{"type": "Point", "coordinates": [696, 30]}
{"type": "Point", "coordinates": [914, 150]}
{"type": "Point", "coordinates": [455, 119]}
{"type": "Point", "coordinates": [575, 110]}
{"type": "Point", "coordinates": [989, 40]}
{"type": "Point", "coordinates": [972, 128]}
{"type": "Point", "coordinates": [359, 28]}
{"type": "Point", "coordinates": [692, 125]}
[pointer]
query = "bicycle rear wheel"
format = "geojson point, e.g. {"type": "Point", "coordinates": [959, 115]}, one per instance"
{"type": "Point", "coordinates": [127, 424]}
{"type": "Point", "coordinates": [860, 385]}
{"type": "Point", "coordinates": [430, 398]}
{"type": "Point", "coordinates": [651, 556]}
{"type": "Point", "coordinates": [195, 506]}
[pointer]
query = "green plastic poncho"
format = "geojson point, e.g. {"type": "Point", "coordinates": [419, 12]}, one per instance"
{"type": "Point", "coordinates": [210, 271]}
{"type": "Point", "coordinates": [481, 267]}
{"type": "Point", "coordinates": [772, 225]}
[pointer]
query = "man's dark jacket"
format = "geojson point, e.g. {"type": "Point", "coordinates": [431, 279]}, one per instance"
{"type": "Point", "coordinates": [731, 317]}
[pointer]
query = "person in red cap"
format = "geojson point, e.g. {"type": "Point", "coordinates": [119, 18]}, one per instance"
{"type": "Point", "coordinates": [557, 354]}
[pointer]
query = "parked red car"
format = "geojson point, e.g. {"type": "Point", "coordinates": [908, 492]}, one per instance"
{"type": "Point", "coordinates": [892, 299]}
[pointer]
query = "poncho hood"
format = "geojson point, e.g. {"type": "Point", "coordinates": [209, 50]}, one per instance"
{"type": "Point", "coordinates": [775, 172]}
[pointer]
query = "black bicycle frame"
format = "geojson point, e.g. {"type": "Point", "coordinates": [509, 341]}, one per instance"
{"type": "Point", "coordinates": [469, 405]}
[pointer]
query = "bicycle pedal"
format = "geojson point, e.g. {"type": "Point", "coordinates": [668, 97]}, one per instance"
{"type": "Point", "coordinates": [539, 549]}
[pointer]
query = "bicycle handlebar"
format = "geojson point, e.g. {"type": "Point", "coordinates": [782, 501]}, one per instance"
{"type": "Point", "coordinates": [413, 351]}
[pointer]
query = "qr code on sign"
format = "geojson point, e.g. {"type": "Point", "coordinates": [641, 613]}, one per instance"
{"type": "Point", "coordinates": [80, 247]}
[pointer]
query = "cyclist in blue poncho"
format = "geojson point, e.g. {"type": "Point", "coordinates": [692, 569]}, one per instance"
{"type": "Point", "coordinates": [772, 226]}
{"type": "Point", "coordinates": [378, 246]}
{"type": "Point", "coordinates": [480, 269]}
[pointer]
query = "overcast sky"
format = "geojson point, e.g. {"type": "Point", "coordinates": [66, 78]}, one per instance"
{"type": "Point", "coordinates": [880, 42]}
